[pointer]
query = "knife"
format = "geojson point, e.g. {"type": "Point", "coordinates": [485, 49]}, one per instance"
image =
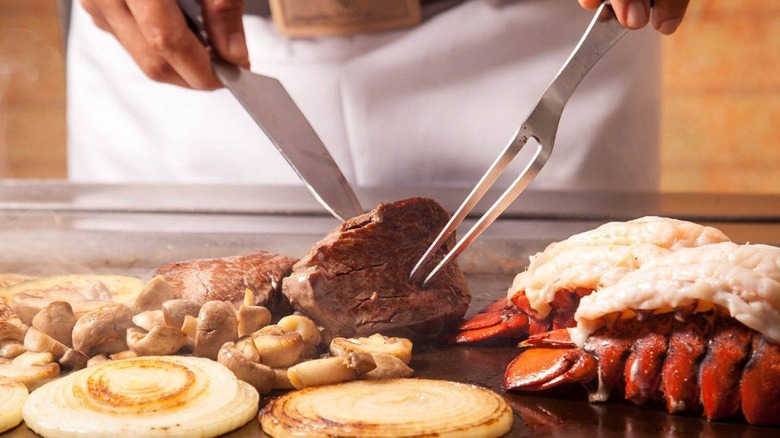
{"type": "Point", "coordinates": [272, 108]}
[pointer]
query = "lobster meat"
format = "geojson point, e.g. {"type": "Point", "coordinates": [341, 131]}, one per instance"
{"type": "Point", "coordinates": [547, 294]}
{"type": "Point", "coordinates": [700, 328]}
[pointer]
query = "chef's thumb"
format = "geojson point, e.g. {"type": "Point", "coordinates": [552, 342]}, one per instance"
{"type": "Point", "coordinates": [223, 20]}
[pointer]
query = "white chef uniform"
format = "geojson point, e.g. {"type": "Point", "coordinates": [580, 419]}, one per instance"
{"type": "Point", "coordinates": [430, 105]}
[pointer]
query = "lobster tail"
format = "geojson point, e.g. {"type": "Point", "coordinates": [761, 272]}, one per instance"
{"type": "Point", "coordinates": [694, 361]}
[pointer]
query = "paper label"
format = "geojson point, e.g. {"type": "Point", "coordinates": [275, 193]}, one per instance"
{"type": "Point", "coordinates": [308, 18]}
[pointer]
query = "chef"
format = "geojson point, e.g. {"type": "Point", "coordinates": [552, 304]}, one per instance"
{"type": "Point", "coordinates": [426, 101]}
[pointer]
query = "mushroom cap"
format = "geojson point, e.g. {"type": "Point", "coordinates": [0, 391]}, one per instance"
{"type": "Point", "coordinates": [56, 320]}
{"type": "Point", "coordinates": [252, 319]}
{"type": "Point", "coordinates": [38, 341]}
{"type": "Point", "coordinates": [103, 330]}
{"type": "Point", "coordinates": [153, 295]}
{"type": "Point", "coordinates": [174, 311]}
{"type": "Point", "coordinates": [217, 324]}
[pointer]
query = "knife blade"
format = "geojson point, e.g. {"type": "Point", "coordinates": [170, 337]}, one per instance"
{"type": "Point", "coordinates": [275, 112]}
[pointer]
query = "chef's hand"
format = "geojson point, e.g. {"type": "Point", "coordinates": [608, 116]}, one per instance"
{"type": "Point", "coordinates": [156, 35]}
{"type": "Point", "coordinates": [633, 14]}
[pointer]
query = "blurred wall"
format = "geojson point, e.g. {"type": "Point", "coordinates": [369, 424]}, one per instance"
{"type": "Point", "coordinates": [32, 90]}
{"type": "Point", "coordinates": [720, 120]}
{"type": "Point", "coordinates": [720, 116]}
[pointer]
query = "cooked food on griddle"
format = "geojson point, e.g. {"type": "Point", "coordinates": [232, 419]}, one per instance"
{"type": "Point", "coordinates": [700, 326]}
{"type": "Point", "coordinates": [14, 396]}
{"type": "Point", "coordinates": [389, 408]}
{"type": "Point", "coordinates": [547, 294]}
{"type": "Point", "coordinates": [355, 281]}
{"type": "Point", "coordinates": [226, 279]}
{"type": "Point", "coordinates": [145, 396]}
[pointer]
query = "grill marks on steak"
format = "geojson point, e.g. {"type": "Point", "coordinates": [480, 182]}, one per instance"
{"type": "Point", "coordinates": [225, 279]}
{"type": "Point", "coordinates": [355, 280]}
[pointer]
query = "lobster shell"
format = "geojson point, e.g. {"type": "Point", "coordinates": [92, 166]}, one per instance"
{"type": "Point", "coordinates": [704, 361]}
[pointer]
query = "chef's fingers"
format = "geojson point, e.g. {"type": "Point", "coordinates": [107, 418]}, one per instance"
{"type": "Point", "coordinates": [224, 24]}
{"type": "Point", "coordinates": [632, 14]}
{"type": "Point", "coordinates": [162, 24]}
{"type": "Point", "coordinates": [667, 15]}
{"type": "Point", "coordinates": [590, 4]}
{"type": "Point", "coordinates": [97, 16]}
{"type": "Point", "coordinates": [118, 20]}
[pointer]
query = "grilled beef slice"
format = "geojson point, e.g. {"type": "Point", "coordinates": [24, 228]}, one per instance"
{"type": "Point", "coordinates": [355, 280]}
{"type": "Point", "coordinates": [226, 279]}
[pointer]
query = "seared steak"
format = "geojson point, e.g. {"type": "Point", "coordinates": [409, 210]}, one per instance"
{"type": "Point", "coordinates": [226, 279]}
{"type": "Point", "coordinates": [355, 280]}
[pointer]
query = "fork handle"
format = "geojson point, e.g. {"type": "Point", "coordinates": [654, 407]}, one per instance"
{"type": "Point", "coordinates": [604, 31]}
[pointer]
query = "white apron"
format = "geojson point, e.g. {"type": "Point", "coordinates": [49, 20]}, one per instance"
{"type": "Point", "coordinates": [431, 106]}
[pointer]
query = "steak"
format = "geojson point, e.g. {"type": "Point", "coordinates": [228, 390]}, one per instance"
{"type": "Point", "coordinates": [355, 280]}
{"type": "Point", "coordinates": [226, 279]}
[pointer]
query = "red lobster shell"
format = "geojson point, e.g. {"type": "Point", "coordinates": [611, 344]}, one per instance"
{"type": "Point", "coordinates": [654, 303]}
{"type": "Point", "coordinates": [695, 362]}
{"type": "Point", "coordinates": [699, 328]}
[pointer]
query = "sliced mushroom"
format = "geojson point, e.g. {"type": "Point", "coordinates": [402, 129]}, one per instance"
{"type": "Point", "coordinates": [160, 341]}
{"type": "Point", "coordinates": [56, 320]}
{"type": "Point", "coordinates": [97, 360]}
{"type": "Point", "coordinates": [73, 360]}
{"type": "Point", "coordinates": [247, 347]}
{"type": "Point", "coordinates": [252, 318]}
{"type": "Point", "coordinates": [282, 381]}
{"type": "Point", "coordinates": [387, 367]}
{"type": "Point", "coordinates": [272, 329]}
{"type": "Point", "coordinates": [9, 349]}
{"type": "Point", "coordinates": [10, 332]}
{"type": "Point", "coordinates": [103, 330]}
{"type": "Point", "coordinates": [174, 311]}
{"type": "Point", "coordinates": [303, 325]}
{"type": "Point", "coordinates": [190, 328]}
{"type": "Point", "coordinates": [217, 324]}
{"type": "Point", "coordinates": [330, 370]}
{"type": "Point", "coordinates": [153, 295]}
{"type": "Point", "coordinates": [260, 376]}
{"type": "Point", "coordinates": [38, 341]}
{"type": "Point", "coordinates": [281, 349]}
{"type": "Point", "coordinates": [32, 376]}
{"type": "Point", "coordinates": [31, 358]}
{"type": "Point", "coordinates": [376, 343]}
{"type": "Point", "coordinates": [311, 334]}
{"type": "Point", "coordinates": [149, 319]}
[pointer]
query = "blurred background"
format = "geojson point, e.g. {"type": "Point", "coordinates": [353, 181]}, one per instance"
{"type": "Point", "coordinates": [720, 114]}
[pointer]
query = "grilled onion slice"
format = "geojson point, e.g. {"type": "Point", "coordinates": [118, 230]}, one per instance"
{"type": "Point", "coordinates": [13, 396]}
{"type": "Point", "coordinates": [389, 408]}
{"type": "Point", "coordinates": [168, 396]}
